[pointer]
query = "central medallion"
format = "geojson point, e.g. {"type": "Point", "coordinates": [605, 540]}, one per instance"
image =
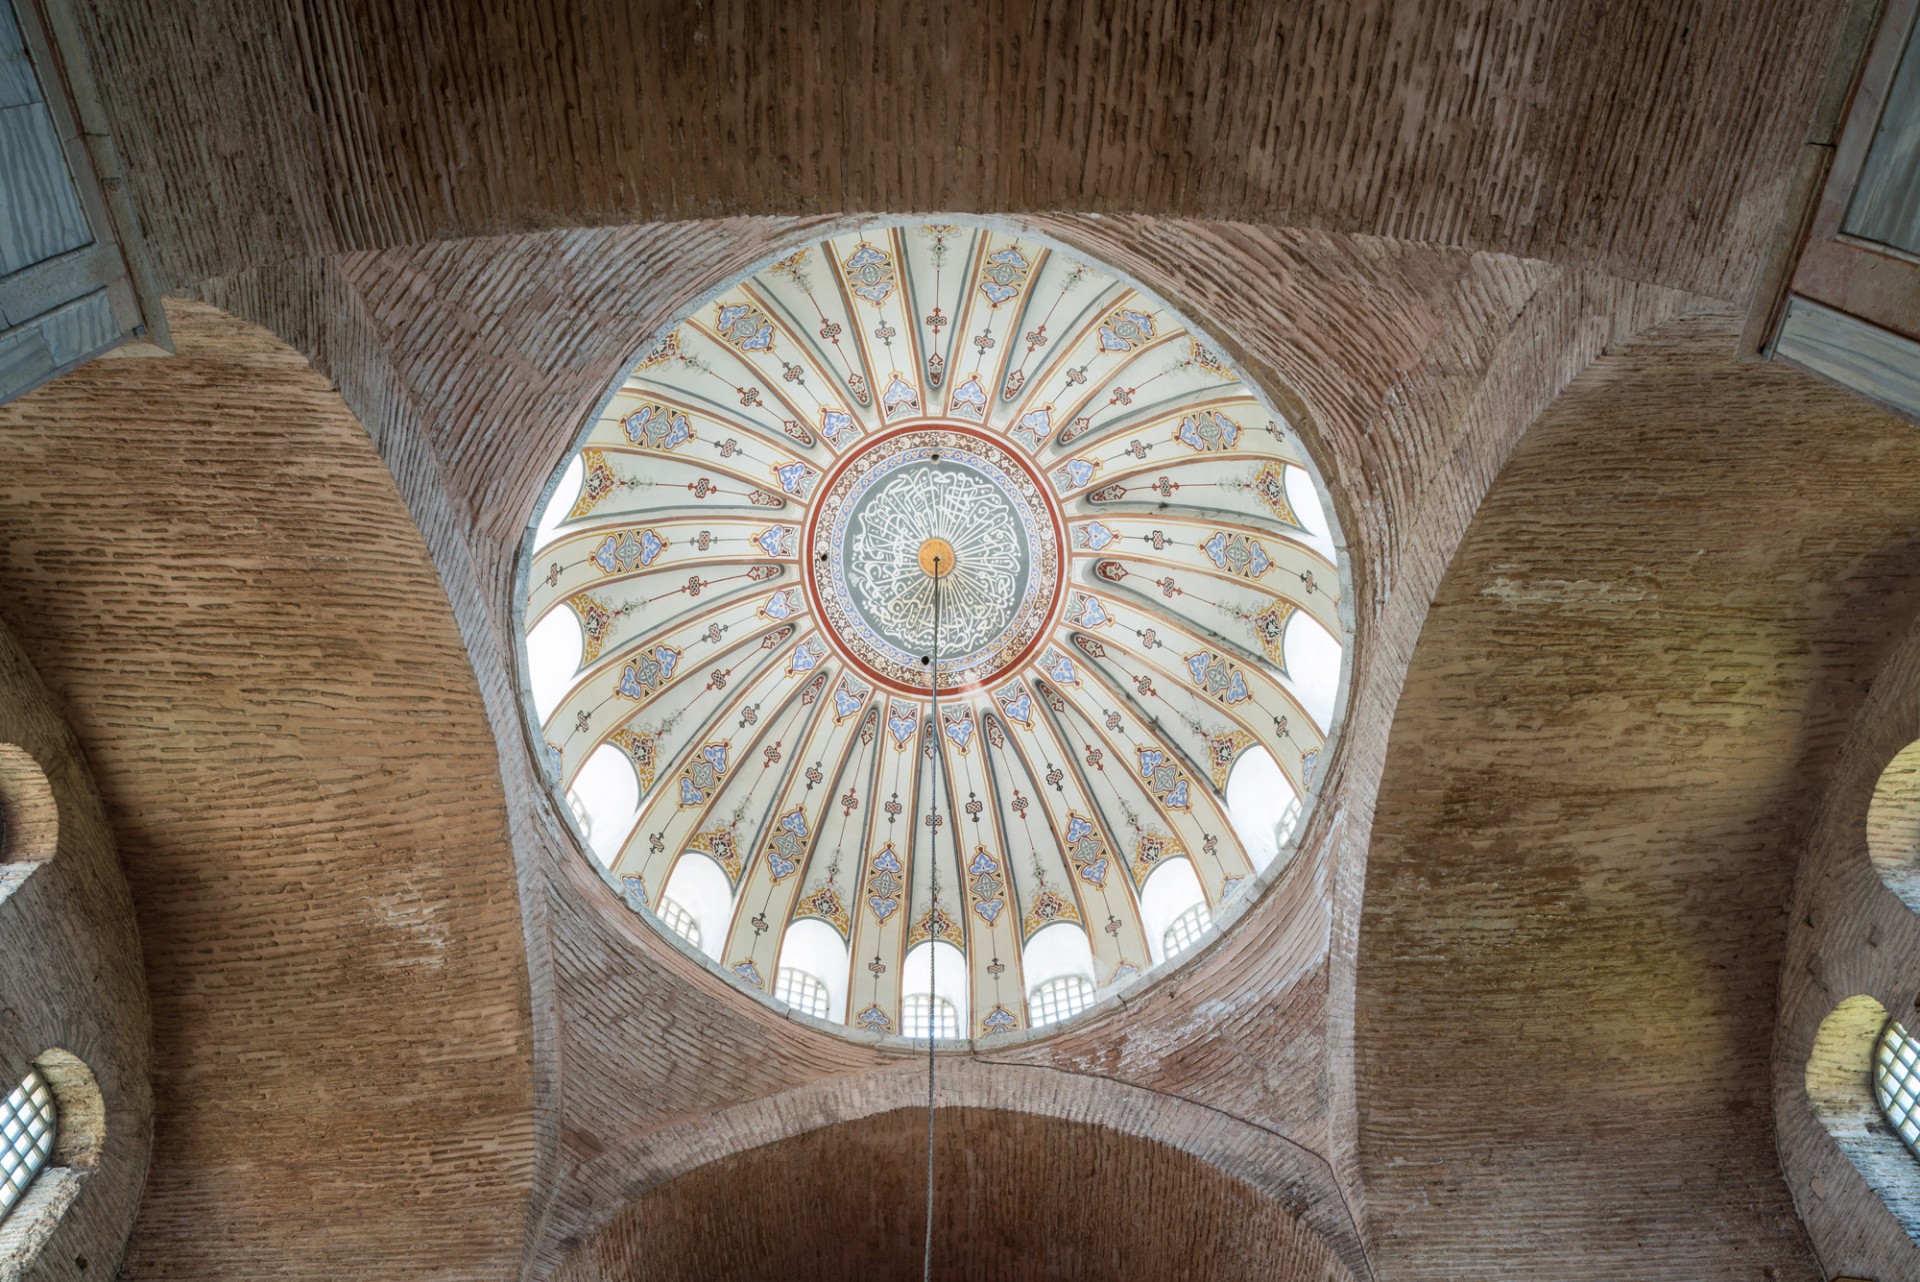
{"type": "Point", "coordinates": [894, 505]}
{"type": "Point", "coordinates": [936, 557]}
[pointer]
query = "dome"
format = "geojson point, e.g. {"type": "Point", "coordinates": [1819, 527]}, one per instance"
{"type": "Point", "coordinates": [730, 614]}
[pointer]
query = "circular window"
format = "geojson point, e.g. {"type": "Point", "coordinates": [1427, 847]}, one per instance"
{"type": "Point", "coordinates": [733, 665]}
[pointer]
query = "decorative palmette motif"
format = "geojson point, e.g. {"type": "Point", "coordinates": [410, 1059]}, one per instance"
{"type": "Point", "coordinates": [1237, 553]}
{"type": "Point", "coordinates": [656, 427]}
{"type": "Point", "coordinates": [648, 672]}
{"type": "Point", "coordinates": [1148, 853]}
{"type": "Point", "coordinates": [1208, 432]}
{"type": "Point", "coordinates": [1217, 677]}
{"type": "Point", "coordinates": [643, 749]}
{"type": "Point", "coordinates": [719, 844]}
{"type": "Point", "coordinates": [1004, 274]}
{"type": "Point", "coordinates": [883, 883]}
{"type": "Point", "coordinates": [597, 480]}
{"type": "Point", "coordinates": [1125, 329]}
{"type": "Point", "coordinates": [870, 273]}
{"type": "Point", "coordinates": [1270, 630]}
{"type": "Point", "coordinates": [1223, 749]}
{"type": "Point", "coordinates": [1047, 908]}
{"type": "Point", "coordinates": [624, 551]}
{"type": "Point", "coordinates": [935, 923]}
{"type": "Point", "coordinates": [1164, 779]}
{"type": "Point", "coordinates": [824, 901]}
{"type": "Point", "coordinates": [745, 326]}
{"type": "Point", "coordinates": [787, 844]}
{"type": "Point", "coordinates": [596, 622]}
{"type": "Point", "coordinates": [703, 773]}
{"type": "Point", "coordinates": [985, 886]}
{"type": "Point", "coordinates": [1085, 849]}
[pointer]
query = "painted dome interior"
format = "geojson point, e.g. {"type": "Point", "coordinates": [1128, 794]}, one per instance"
{"type": "Point", "coordinates": [729, 632]}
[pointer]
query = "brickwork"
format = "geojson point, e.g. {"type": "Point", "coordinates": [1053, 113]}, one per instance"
{"type": "Point", "coordinates": [70, 966]}
{"type": "Point", "coordinates": [226, 598]}
{"type": "Point", "coordinates": [1634, 677]}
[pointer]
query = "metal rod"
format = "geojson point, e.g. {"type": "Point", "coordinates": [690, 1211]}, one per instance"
{"type": "Point", "coordinates": [933, 872]}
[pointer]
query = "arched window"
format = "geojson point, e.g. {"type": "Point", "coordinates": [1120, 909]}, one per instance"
{"type": "Point", "coordinates": [680, 921]}
{"type": "Point", "coordinates": [1262, 805]}
{"type": "Point", "coordinates": [920, 1008]}
{"type": "Point", "coordinates": [1861, 1082]}
{"type": "Point", "coordinates": [948, 980]}
{"type": "Point", "coordinates": [1172, 892]}
{"type": "Point", "coordinates": [29, 818]}
{"type": "Point", "coordinates": [1896, 1082]}
{"type": "Point", "coordinates": [605, 799]}
{"type": "Point", "coordinates": [1058, 965]}
{"type": "Point", "coordinates": [814, 949]}
{"type": "Point", "coordinates": [805, 993]}
{"type": "Point", "coordinates": [701, 889]}
{"type": "Point", "coordinates": [1186, 930]}
{"type": "Point", "coordinates": [29, 1125]}
{"type": "Point", "coordinates": [1061, 997]}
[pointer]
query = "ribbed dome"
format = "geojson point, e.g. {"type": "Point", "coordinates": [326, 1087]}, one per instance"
{"type": "Point", "coordinates": [730, 615]}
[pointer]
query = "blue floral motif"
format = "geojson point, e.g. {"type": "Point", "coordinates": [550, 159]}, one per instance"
{"type": "Point", "coordinates": [1073, 473]}
{"type": "Point", "coordinates": [969, 399]}
{"type": "Point", "coordinates": [961, 732]}
{"type": "Point", "coordinates": [746, 327]}
{"type": "Point", "coordinates": [834, 422]}
{"type": "Point", "coordinates": [795, 478]}
{"type": "Point", "coordinates": [776, 540]}
{"type": "Point", "coordinates": [1095, 536]}
{"type": "Point", "coordinates": [899, 397]}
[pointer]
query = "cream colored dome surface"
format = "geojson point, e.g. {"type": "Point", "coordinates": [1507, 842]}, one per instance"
{"type": "Point", "coordinates": [729, 631]}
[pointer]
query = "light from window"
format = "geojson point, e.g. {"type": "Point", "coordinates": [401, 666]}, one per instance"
{"type": "Point", "coordinates": [679, 920]}
{"type": "Point", "coordinates": [920, 1008]}
{"type": "Point", "coordinates": [27, 1127]}
{"type": "Point", "coordinates": [1061, 997]}
{"type": "Point", "coordinates": [1896, 1082]}
{"type": "Point", "coordinates": [1186, 928]}
{"type": "Point", "coordinates": [802, 991]}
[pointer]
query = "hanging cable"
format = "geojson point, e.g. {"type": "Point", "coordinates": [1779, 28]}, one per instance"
{"type": "Point", "coordinates": [933, 867]}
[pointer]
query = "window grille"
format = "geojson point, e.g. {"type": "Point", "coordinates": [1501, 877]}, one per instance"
{"type": "Point", "coordinates": [1061, 997]}
{"type": "Point", "coordinates": [1896, 1082]}
{"type": "Point", "coordinates": [946, 1020]}
{"type": "Point", "coordinates": [805, 993]}
{"type": "Point", "coordinates": [679, 920]}
{"type": "Point", "coordinates": [27, 1128]}
{"type": "Point", "coordinates": [1289, 821]}
{"type": "Point", "coordinates": [1186, 928]}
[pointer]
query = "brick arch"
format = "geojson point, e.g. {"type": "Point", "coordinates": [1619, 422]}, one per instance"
{"type": "Point", "coordinates": [1268, 1207]}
